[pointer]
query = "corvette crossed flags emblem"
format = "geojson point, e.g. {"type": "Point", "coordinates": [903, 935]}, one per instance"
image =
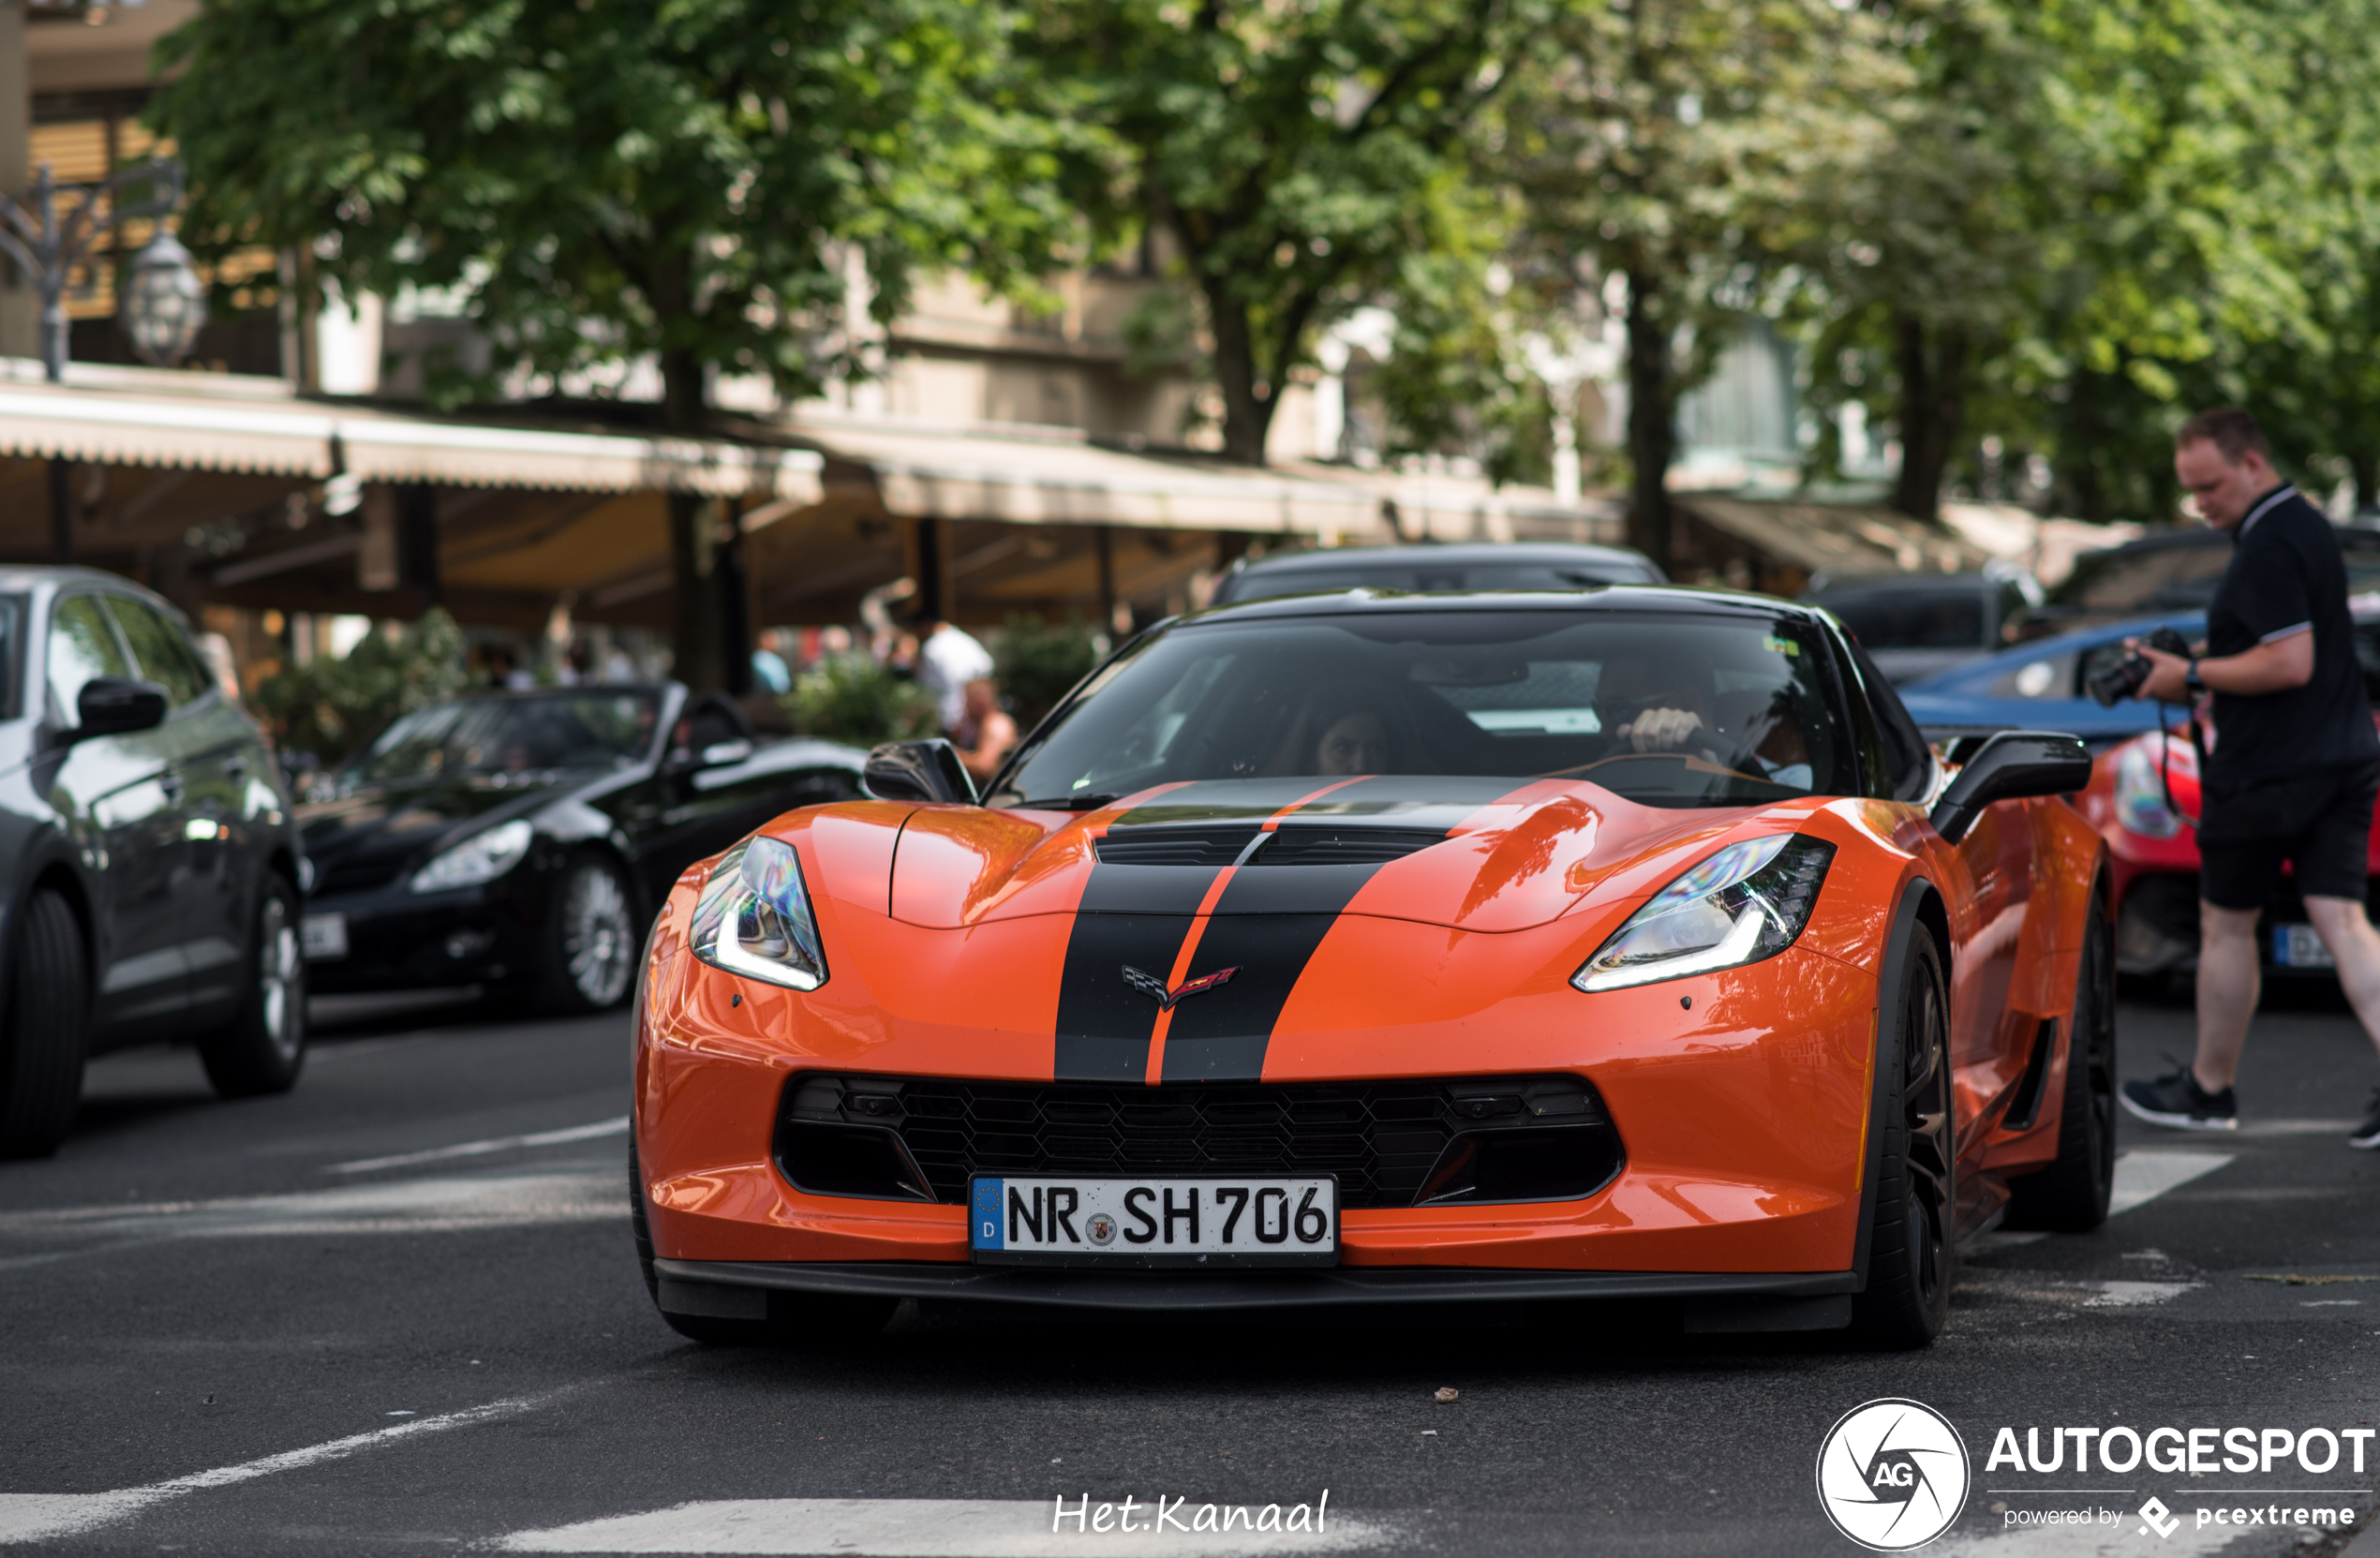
{"type": "Point", "coordinates": [1154, 989]}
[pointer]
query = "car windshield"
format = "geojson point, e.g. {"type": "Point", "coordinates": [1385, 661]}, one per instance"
{"type": "Point", "coordinates": [1271, 584]}
{"type": "Point", "coordinates": [510, 739]}
{"type": "Point", "coordinates": [1668, 709]}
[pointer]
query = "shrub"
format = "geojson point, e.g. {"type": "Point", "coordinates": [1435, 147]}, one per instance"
{"type": "Point", "coordinates": [1039, 665]}
{"type": "Point", "coordinates": [333, 707]}
{"type": "Point", "coordinates": [851, 698]}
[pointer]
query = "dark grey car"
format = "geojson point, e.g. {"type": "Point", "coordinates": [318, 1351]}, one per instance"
{"type": "Point", "coordinates": [152, 865]}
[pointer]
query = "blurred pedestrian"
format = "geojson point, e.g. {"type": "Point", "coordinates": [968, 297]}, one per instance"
{"type": "Point", "coordinates": [948, 658]}
{"type": "Point", "coordinates": [770, 670]}
{"type": "Point", "coordinates": [984, 735]}
{"type": "Point", "coordinates": [2292, 770]}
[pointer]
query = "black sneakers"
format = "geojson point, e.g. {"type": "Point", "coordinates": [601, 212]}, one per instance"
{"type": "Point", "coordinates": [2368, 1133]}
{"type": "Point", "coordinates": [2178, 1101]}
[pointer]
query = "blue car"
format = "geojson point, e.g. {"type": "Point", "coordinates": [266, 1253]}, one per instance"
{"type": "Point", "coordinates": [2039, 686]}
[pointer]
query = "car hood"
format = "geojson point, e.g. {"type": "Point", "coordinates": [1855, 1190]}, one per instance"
{"type": "Point", "coordinates": [1470, 855]}
{"type": "Point", "coordinates": [372, 835]}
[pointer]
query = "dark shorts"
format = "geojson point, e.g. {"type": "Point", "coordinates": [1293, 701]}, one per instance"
{"type": "Point", "coordinates": [2319, 823]}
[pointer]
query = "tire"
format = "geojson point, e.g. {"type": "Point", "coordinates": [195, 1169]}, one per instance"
{"type": "Point", "coordinates": [587, 956]}
{"type": "Point", "coordinates": [1907, 1297]}
{"type": "Point", "coordinates": [2071, 1195]}
{"type": "Point", "coordinates": [794, 1319]}
{"type": "Point", "coordinates": [262, 1050]}
{"type": "Point", "coordinates": [41, 1051]}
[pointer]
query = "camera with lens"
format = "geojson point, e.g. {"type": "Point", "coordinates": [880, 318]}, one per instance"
{"type": "Point", "coordinates": [2122, 679]}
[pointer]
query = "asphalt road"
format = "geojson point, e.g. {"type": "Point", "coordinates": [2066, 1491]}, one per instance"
{"type": "Point", "coordinates": [311, 1324]}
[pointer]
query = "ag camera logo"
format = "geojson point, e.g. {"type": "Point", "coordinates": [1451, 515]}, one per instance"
{"type": "Point", "coordinates": [1892, 1474]}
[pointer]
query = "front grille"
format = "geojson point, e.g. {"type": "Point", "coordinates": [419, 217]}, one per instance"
{"type": "Point", "coordinates": [1288, 846]}
{"type": "Point", "coordinates": [359, 875]}
{"type": "Point", "coordinates": [1392, 1144]}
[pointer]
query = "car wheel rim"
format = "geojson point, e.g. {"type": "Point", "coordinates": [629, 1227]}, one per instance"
{"type": "Point", "coordinates": [279, 968]}
{"type": "Point", "coordinates": [1925, 1122]}
{"type": "Point", "coordinates": [596, 935]}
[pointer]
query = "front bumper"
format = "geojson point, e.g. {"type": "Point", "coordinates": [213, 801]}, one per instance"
{"type": "Point", "coordinates": [1714, 1301]}
{"type": "Point", "coordinates": [397, 938]}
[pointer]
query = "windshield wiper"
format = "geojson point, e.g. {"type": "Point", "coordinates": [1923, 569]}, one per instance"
{"type": "Point", "coordinates": [1067, 803]}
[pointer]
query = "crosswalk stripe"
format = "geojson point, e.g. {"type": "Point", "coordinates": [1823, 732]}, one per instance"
{"type": "Point", "coordinates": [950, 1528]}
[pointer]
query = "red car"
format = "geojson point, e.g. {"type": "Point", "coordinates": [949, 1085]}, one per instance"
{"type": "Point", "coordinates": [2140, 795]}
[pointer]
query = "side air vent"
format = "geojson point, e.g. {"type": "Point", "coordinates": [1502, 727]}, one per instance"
{"type": "Point", "coordinates": [1327, 846]}
{"type": "Point", "coordinates": [1173, 846]}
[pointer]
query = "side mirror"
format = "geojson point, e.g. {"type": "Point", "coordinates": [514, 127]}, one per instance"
{"type": "Point", "coordinates": [2011, 765]}
{"type": "Point", "coordinates": [918, 771]}
{"type": "Point", "coordinates": [114, 705]}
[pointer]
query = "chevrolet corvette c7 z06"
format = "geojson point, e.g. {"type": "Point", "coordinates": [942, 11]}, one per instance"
{"type": "Point", "coordinates": [1375, 948]}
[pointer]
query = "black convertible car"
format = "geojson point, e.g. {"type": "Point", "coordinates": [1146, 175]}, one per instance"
{"type": "Point", "coordinates": [521, 841]}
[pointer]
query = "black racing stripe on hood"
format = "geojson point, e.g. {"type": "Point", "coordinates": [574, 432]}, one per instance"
{"type": "Point", "coordinates": [1220, 1035]}
{"type": "Point", "coordinates": [1104, 1024]}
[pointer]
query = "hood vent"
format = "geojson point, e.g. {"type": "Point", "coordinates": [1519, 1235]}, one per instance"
{"type": "Point", "coordinates": [1332, 846]}
{"type": "Point", "coordinates": [1292, 845]}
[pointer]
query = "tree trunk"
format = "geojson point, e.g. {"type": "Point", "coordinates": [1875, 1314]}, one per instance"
{"type": "Point", "coordinates": [1652, 419]}
{"type": "Point", "coordinates": [1247, 405]}
{"type": "Point", "coordinates": [1933, 407]}
{"type": "Point", "coordinates": [2364, 464]}
{"type": "Point", "coordinates": [697, 650]}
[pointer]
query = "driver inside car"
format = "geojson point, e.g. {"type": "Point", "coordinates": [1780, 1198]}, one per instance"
{"type": "Point", "coordinates": [1755, 724]}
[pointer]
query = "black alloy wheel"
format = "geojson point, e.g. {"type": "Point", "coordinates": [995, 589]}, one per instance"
{"type": "Point", "coordinates": [42, 1049]}
{"type": "Point", "coordinates": [1908, 1249]}
{"type": "Point", "coordinates": [2071, 1194]}
{"type": "Point", "coordinates": [263, 1049]}
{"type": "Point", "coordinates": [792, 1319]}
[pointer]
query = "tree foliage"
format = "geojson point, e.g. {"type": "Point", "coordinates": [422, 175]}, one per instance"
{"type": "Point", "coordinates": [330, 708]}
{"type": "Point", "coordinates": [1295, 155]}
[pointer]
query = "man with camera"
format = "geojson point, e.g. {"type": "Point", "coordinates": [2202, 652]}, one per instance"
{"type": "Point", "coordinates": [2293, 765]}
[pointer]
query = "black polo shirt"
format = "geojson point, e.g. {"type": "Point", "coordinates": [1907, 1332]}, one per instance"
{"type": "Point", "coordinates": [2286, 576]}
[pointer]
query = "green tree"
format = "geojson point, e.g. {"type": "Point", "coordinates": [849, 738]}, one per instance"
{"type": "Point", "coordinates": [1040, 662]}
{"type": "Point", "coordinates": [1294, 154]}
{"type": "Point", "coordinates": [1695, 150]}
{"type": "Point", "coordinates": [606, 179]}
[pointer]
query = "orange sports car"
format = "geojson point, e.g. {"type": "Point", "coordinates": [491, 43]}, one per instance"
{"type": "Point", "coordinates": [1375, 948]}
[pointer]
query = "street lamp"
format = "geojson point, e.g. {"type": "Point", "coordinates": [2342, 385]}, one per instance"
{"type": "Point", "coordinates": [164, 304]}
{"type": "Point", "coordinates": [47, 246]}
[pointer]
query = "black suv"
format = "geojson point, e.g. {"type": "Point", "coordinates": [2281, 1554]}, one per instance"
{"type": "Point", "coordinates": [153, 863]}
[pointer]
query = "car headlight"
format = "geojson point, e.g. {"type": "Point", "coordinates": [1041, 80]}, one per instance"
{"type": "Point", "coordinates": [753, 917]}
{"type": "Point", "coordinates": [481, 857]}
{"type": "Point", "coordinates": [1744, 903]}
{"type": "Point", "coordinates": [2140, 796]}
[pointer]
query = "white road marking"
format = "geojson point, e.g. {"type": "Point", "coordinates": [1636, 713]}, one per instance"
{"type": "Point", "coordinates": [2121, 1540]}
{"type": "Point", "coordinates": [37, 1517]}
{"type": "Point", "coordinates": [2133, 1295]}
{"type": "Point", "coordinates": [2142, 1175]}
{"type": "Point", "coordinates": [617, 1125]}
{"type": "Point", "coordinates": [2146, 1173]}
{"type": "Point", "coordinates": [401, 1205]}
{"type": "Point", "coordinates": [925, 1528]}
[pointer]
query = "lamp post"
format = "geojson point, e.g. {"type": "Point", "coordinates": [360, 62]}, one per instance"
{"type": "Point", "coordinates": [164, 302]}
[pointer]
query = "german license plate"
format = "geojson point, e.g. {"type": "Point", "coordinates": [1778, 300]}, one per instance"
{"type": "Point", "coordinates": [2297, 947]}
{"type": "Point", "coordinates": [1045, 1221]}
{"type": "Point", "coordinates": [325, 936]}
